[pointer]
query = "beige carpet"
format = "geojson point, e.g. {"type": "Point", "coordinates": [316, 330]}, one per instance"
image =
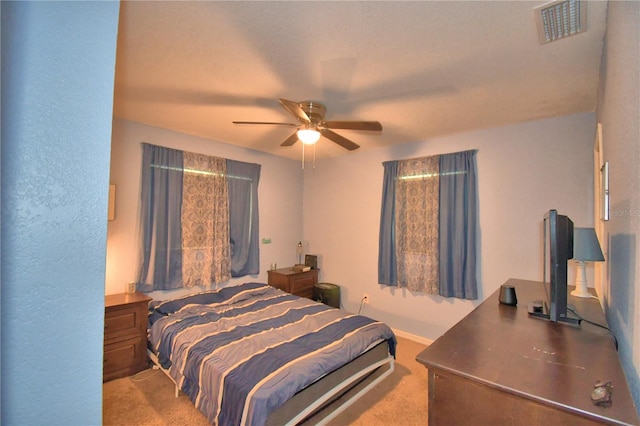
{"type": "Point", "coordinates": [148, 398]}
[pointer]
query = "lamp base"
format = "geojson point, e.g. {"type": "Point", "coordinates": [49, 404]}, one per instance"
{"type": "Point", "coordinates": [581, 281]}
{"type": "Point", "coordinates": [578, 292]}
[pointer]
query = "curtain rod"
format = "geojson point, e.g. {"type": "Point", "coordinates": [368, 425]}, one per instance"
{"type": "Point", "coordinates": [430, 175]}
{"type": "Point", "coordinates": [200, 172]}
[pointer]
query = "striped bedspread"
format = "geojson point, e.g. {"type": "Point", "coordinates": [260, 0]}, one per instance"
{"type": "Point", "coordinates": [241, 352]}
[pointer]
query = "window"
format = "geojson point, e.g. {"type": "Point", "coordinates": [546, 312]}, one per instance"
{"type": "Point", "coordinates": [198, 219]}
{"type": "Point", "coordinates": [428, 224]}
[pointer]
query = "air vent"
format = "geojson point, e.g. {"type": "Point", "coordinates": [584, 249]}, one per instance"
{"type": "Point", "coordinates": [560, 19]}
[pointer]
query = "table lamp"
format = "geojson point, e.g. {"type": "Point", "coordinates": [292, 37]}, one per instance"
{"type": "Point", "coordinates": [586, 248]}
{"type": "Point", "coordinates": [299, 248]}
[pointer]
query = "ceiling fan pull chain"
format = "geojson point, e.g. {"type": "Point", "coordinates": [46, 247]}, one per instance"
{"type": "Point", "coordinates": [302, 156]}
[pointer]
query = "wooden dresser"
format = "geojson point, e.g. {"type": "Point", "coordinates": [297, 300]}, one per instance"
{"type": "Point", "coordinates": [500, 366]}
{"type": "Point", "coordinates": [294, 282]}
{"type": "Point", "coordinates": [125, 335]}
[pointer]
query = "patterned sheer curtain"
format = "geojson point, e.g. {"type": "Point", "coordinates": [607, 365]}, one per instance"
{"type": "Point", "coordinates": [416, 227]}
{"type": "Point", "coordinates": [187, 235]}
{"type": "Point", "coordinates": [205, 221]}
{"type": "Point", "coordinates": [428, 222]}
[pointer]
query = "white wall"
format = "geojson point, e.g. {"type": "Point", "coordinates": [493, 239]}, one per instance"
{"type": "Point", "coordinates": [58, 62]}
{"type": "Point", "coordinates": [523, 171]}
{"type": "Point", "coordinates": [279, 198]}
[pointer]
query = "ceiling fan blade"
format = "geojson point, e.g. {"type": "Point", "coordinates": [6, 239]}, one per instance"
{"type": "Point", "coordinates": [353, 125]}
{"type": "Point", "coordinates": [290, 140]}
{"type": "Point", "coordinates": [295, 109]}
{"type": "Point", "coordinates": [265, 122]}
{"type": "Point", "coordinates": [340, 140]}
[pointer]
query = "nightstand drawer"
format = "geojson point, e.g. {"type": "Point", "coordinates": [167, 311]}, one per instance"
{"type": "Point", "coordinates": [294, 282]}
{"type": "Point", "coordinates": [125, 335]}
{"type": "Point", "coordinates": [129, 319]}
{"type": "Point", "coordinates": [303, 284]}
{"type": "Point", "coordinates": [123, 321]}
{"type": "Point", "coordinates": [124, 358]}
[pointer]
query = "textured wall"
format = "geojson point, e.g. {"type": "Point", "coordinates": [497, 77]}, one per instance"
{"type": "Point", "coordinates": [619, 113]}
{"type": "Point", "coordinates": [58, 62]}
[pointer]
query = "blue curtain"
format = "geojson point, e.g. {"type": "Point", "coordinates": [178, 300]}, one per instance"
{"type": "Point", "coordinates": [161, 205]}
{"type": "Point", "coordinates": [458, 202]}
{"type": "Point", "coordinates": [243, 181]}
{"type": "Point", "coordinates": [458, 222]}
{"type": "Point", "coordinates": [387, 261]}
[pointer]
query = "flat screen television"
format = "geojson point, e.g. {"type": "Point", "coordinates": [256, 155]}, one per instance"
{"type": "Point", "coordinates": [558, 249]}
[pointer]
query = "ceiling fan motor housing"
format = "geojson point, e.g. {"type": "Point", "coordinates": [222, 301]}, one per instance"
{"type": "Point", "coordinates": [314, 110]}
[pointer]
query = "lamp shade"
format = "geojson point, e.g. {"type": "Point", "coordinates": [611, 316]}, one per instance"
{"type": "Point", "coordinates": [586, 246]}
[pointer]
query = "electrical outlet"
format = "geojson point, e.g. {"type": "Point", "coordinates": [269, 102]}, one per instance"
{"type": "Point", "coordinates": [365, 298]}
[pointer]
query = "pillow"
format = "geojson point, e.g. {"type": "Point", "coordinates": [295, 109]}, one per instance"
{"type": "Point", "coordinates": [168, 307]}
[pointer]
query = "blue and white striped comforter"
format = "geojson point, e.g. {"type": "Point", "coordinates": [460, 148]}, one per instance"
{"type": "Point", "coordinates": [242, 352]}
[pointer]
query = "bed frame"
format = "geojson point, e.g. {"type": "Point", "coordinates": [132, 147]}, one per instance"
{"type": "Point", "coordinates": [329, 396]}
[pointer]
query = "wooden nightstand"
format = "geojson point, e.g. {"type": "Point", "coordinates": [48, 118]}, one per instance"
{"type": "Point", "coordinates": [125, 335]}
{"type": "Point", "coordinates": [298, 283]}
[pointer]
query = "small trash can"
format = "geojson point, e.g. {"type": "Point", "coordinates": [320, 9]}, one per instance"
{"type": "Point", "coordinates": [327, 293]}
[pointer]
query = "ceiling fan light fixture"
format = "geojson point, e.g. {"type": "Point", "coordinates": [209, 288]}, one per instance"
{"type": "Point", "coordinates": [308, 136]}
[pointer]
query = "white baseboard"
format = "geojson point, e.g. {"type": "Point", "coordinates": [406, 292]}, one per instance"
{"type": "Point", "coordinates": [413, 337]}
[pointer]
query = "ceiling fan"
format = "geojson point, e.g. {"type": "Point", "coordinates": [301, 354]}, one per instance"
{"type": "Point", "coordinates": [311, 124]}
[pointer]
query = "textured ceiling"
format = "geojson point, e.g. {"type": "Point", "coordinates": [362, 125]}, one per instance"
{"type": "Point", "coordinates": [423, 69]}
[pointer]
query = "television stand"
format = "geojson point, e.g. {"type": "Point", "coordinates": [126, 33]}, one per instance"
{"type": "Point", "coordinates": [540, 309]}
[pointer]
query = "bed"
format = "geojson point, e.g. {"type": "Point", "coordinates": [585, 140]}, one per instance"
{"type": "Point", "coordinates": [252, 354]}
